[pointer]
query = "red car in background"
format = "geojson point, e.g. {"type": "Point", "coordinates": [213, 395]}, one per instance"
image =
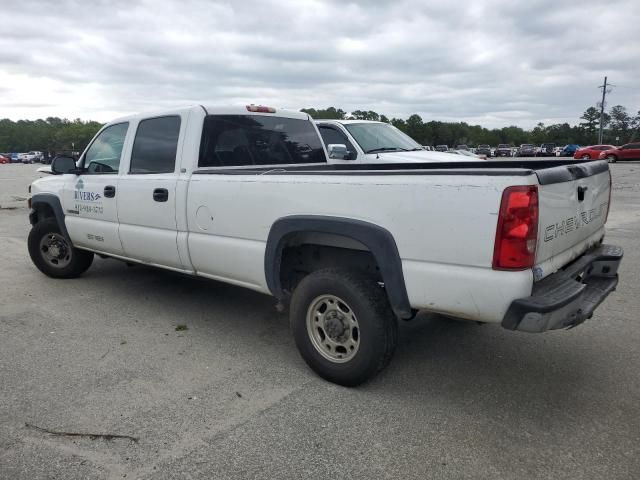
{"type": "Point", "coordinates": [4, 159]}
{"type": "Point", "coordinates": [630, 151]}
{"type": "Point", "coordinates": [592, 152]}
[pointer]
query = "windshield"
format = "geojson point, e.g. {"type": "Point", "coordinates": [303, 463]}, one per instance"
{"type": "Point", "coordinates": [381, 137]}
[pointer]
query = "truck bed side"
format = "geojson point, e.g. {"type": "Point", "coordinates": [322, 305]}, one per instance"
{"type": "Point", "coordinates": [443, 225]}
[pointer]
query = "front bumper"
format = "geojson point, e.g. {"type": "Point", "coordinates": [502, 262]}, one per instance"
{"type": "Point", "coordinates": [569, 297]}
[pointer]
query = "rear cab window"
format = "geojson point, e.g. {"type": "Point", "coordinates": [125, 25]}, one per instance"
{"type": "Point", "coordinates": [239, 140]}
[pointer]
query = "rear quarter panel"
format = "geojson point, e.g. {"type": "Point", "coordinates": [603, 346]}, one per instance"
{"type": "Point", "coordinates": [444, 227]}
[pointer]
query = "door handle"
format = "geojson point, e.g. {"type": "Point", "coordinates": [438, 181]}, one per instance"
{"type": "Point", "coordinates": [109, 191]}
{"type": "Point", "coordinates": [161, 194]}
{"type": "Point", "coordinates": [581, 192]}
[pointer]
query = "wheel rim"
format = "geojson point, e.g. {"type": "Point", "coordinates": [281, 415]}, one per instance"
{"type": "Point", "coordinates": [611, 158]}
{"type": "Point", "coordinates": [55, 250]}
{"type": "Point", "coordinates": [585, 157]}
{"type": "Point", "coordinates": [333, 328]}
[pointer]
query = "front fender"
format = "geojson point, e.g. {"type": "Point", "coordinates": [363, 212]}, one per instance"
{"type": "Point", "coordinates": [53, 202]}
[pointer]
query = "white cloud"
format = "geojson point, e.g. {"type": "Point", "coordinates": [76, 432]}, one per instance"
{"type": "Point", "coordinates": [493, 62]}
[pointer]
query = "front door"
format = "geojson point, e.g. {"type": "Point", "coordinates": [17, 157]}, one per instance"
{"type": "Point", "coordinates": [332, 135]}
{"type": "Point", "coordinates": [90, 199]}
{"type": "Point", "coordinates": [147, 193]}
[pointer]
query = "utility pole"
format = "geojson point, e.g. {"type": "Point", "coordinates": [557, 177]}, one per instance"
{"type": "Point", "coordinates": [604, 93]}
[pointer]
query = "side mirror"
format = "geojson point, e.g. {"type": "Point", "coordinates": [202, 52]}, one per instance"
{"type": "Point", "coordinates": [61, 165]}
{"type": "Point", "coordinates": [338, 151]}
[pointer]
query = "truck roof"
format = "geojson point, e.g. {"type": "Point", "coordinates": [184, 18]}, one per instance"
{"type": "Point", "coordinates": [346, 122]}
{"type": "Point", "coordinates": [213, 110]}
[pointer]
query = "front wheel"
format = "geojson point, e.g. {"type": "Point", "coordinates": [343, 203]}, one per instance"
{"type": "Point", "coordinates": [612, 158]}
{"type": "Point", "coordinates": [53, 254]}
{"type": "Point", "coordinates": [586, 157]}
{"type": "Point", "coordinates": [343, 325]}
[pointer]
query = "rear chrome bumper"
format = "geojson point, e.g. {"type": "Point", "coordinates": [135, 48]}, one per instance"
{"type": "Point", "coordinates": [569, 297]}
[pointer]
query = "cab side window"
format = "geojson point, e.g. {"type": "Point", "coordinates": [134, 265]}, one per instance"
{"type": "Point", "coordinates": [103, 156]}
{"type": "Point", "coordinates": [331, 136]}
{"type": "Point", "coordinates": [155, 146]}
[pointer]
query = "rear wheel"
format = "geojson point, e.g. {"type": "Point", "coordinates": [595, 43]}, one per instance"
{"type": "Point", "coordinates": [611, 158]}
{"type": "Point", "coordinates": [343, 325]}
{"type": "Point", "coordinates": [586, 156]}
{"type": "Point", "coordinates": [53, 254]}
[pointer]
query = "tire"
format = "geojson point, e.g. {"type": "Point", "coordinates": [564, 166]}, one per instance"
{"type": "Point", "coordinates": [586, 157]}
{"type": "Point", "coordinates": [53, 255]}
{"type": "Point", "coordinates": [360, 304]}
{"type": "Point", "coordinates": [611, 158]}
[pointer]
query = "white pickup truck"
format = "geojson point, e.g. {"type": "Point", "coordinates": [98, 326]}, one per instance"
{"type": "Point", "coordinates": [368, 141]}
{"type": "Point", "coordinates": [246, 196]}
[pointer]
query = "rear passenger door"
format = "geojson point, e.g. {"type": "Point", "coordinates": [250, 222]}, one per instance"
{"type": "Point", "coordinates": [147, 192]}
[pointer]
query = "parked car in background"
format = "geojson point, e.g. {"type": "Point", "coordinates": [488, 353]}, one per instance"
{"type": "Point", "coordinates": [442, 148]}
{"type": "Point", "coordinates": [14, 158]}
{"type": "Point", "coordinates": [483, 150]}
{"type": "Point", "coordinates": [46, 158]}
{"type": "Point", "coordinates": [30, 157]}
{"type": "Point", "coordinates": [592, 152]}
{"type": "Point", "coordinates": [372, 142]}
{"type": "Point", "coordinates": [4, 159]}
{"type": "Point", "coordinates": [569, 150]}
{"type": "Point", "coordinates": [630, 151]}
{"type": "Point", "coordinates": [547, 150]}
{"type": "Point", "coordinates": [526, 150]}
{"type": "Point", "coordinates": [503, 150]}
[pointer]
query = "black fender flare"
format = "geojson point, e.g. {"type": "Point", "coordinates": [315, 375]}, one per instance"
{"type": "Point", "coordinates": [377, 239]}
{"type": "Point", "coordinates": [53, 202]}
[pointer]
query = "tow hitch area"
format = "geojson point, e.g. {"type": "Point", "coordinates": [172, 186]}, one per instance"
{"type": "Point", "coordinates": [569, 297]}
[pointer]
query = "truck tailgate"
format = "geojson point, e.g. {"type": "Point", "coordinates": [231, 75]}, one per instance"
{"type": "Point", "coordinates": [574, 202]}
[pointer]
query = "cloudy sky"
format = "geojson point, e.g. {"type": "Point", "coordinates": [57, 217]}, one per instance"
{"type": "Point", "coordinates": [496, 62]}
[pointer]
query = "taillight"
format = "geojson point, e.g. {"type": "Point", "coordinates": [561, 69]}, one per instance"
{"type": "Point", "coordinates": [517, 232]}
{"type": "Point", "coordinates": [261, 109]}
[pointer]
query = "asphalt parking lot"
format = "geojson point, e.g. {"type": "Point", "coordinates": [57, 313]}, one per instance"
{"type": "Point", "coordinates": [229, 397]}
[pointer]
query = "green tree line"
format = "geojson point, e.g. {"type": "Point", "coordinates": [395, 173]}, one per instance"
{"type": "Point", "coordinates": [50, 135]}
{"type": "Point", "coordinates": [56, 135]}
{"type": "Point", "coordinates": [618, 127]}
